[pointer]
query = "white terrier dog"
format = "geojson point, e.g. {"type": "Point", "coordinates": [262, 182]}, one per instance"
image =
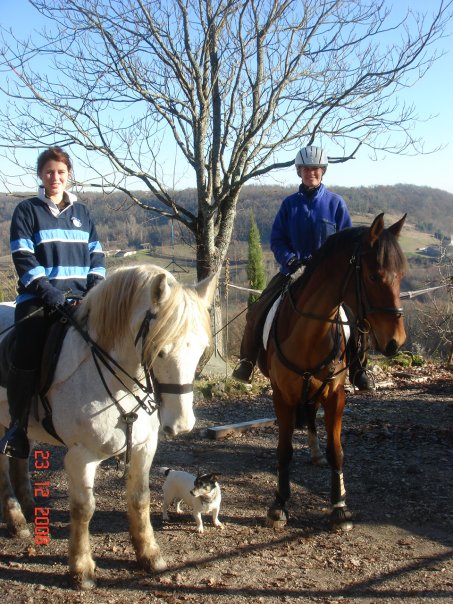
{"type": "Point", "coordinates": [201, 493]}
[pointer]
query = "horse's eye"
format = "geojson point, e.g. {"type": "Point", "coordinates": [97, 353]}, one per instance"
{"type": "Point", "coordinates": [161, 354]}
{"type": "Point", "coordinates": [374, 277]}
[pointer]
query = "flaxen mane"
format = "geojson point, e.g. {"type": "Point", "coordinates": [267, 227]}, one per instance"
{"type": "Point", "coordinates": [106, 307]}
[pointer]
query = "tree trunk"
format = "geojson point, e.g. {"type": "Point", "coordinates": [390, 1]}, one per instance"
{"type": "Point", "coordinates": [212, 248]}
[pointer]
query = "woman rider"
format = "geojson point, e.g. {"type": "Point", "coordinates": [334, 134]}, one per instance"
{"type": "Point", "coordinates": [56, 254]}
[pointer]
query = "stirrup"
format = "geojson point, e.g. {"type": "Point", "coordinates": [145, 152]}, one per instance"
{"type": "Point", "coordinates": [15, 443]}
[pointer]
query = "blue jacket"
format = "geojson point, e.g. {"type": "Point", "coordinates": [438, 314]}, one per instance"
{"type": "Point", "coordinates": [63, 248]}
{"type": "Point", "coordinates": [304, 221]}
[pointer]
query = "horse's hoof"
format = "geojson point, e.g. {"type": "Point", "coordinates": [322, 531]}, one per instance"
{"type": "Point", "coordinates": [19, 532]}
{"type": "Point", "coordinates": [320, 461]}
{"type": "Point", "coordinates": [83, 582]}
{"type": "Point", "coordinates": [277, 517]}
{"type": "Point", "coordinates": [16, 523]}
{"type": "Point", "coordinates": [340, 520]}
{"type": "Point", "coordinates": [159, 565]}
{"type": "Point", "coordinates": [156, 564]}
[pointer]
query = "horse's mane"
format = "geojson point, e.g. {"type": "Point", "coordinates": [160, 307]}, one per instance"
{"type": "Point", "coordinates": [107, 308]}
{"type": "Point", "coordinates": [389, 254]}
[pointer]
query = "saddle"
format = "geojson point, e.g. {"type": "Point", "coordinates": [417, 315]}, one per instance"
{"type": "Point", "coordinates": [51, 353]}
{"type": "Point", "coordinates": [345, 318]}
{"type": "Point", "coordinates": [269, 320]}
{"type": "Point", "coordinates": [265, 305]}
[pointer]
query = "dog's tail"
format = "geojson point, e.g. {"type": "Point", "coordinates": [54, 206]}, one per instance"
{"type": "Point", "coordinates": [165, 471]}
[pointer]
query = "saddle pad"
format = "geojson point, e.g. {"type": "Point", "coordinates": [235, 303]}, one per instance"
{"type": "Point", "coordinates": [346, 328]}
{"type": "Point", "coordinates": [273, 310]}
{"type": "Point", "coordinates": [268, 322]}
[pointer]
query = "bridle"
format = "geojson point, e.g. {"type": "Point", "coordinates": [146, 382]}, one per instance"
{"type": "Point", "coordinates": [361, 322]}
{"type": "Point", "coordinates": [152, 385]}
{"type": "Point", "coordinates": [364, 307]}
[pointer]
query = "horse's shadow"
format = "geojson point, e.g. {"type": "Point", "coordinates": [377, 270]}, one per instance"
{"type": "Point", "coordinates": [397, 468]}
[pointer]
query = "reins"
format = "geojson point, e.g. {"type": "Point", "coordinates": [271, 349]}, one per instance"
{"type": "Point", "coordinates": [308, 374]}
{"type": "Point", "coordinates": [14, 323]}
{"type": "Point", "coordinates": [361, 323]}
{"type": "Point", "coordinates": [153, 386]}
{"type": "Point", "coordinates": [101, 356]}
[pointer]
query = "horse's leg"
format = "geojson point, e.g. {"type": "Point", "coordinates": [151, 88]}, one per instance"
{"type": "Point", "coordinates": [81, 471]}
{"type": "Point", "coordinates": [277, 514]}
{"type": "Point", "coordinates": [317, 456]}
{"type": "Point", "coordinates": [138, 497]}
{"type": "Point", "coordinates": [12, 514]}
{"type": "Point", "coordinates": [20, 479]}
{"type": "Point", "coordinates": [340, 517]}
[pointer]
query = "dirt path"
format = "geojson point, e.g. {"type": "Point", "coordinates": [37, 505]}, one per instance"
{"type": "Point", "coordinates": [399, 477]}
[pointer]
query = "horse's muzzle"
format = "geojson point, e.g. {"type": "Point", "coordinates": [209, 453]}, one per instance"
{"type": "Point", "coordinates": [169, 431]}
{"type": "Point", "coordinates": [391, 348]}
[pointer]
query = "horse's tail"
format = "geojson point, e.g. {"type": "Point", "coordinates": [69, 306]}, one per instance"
{"type": "Point", "coordinates": [165, 471]}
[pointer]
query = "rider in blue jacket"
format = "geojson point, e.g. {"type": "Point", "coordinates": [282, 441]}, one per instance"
{"type": "Point", "coordinates": [57, 254]}
{"type": "Point", "coordinates": [304, 221]}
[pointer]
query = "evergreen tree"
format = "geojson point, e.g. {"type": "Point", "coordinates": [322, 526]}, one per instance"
{"type": "Point", "coordinates": [255, 269]}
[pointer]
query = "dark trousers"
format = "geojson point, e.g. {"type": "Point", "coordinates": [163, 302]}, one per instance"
{"type": "Point", "coordinates": [31, 334]}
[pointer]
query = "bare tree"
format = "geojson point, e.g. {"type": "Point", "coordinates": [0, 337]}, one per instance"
{"type": "Point", "coordinates": [235, 85]}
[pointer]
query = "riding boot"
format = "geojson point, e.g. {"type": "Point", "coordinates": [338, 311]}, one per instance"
{"type": "Point", "coordinates": [243, 372]}
{"type": "Point", "coordinates": [254, 324]}
{"type": "Point", "coordinates": [20, 389]}
{"type": "Point", "coordinates": [358, 375]}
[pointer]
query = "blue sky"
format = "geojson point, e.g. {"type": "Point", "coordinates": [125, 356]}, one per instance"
{"type": "Point", "coordinates": [431, 96]}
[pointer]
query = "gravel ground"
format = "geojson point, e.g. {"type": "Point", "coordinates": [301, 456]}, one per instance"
{"type": "Point", "coordinates": [398, 473]}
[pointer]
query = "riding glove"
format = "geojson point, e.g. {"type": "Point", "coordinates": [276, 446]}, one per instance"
{"type": "Point", "coordinates": [93, 280]}
{"type": "Point", "coordinates": [294, 264]}
{"type": "Point", "coordinates": [50, 295]}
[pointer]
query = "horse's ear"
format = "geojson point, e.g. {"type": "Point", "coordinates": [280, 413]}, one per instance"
{"type": "Point", "coordinates": [376, 228]}
{"type": "Point", "coordinates": [206, 288]}
{"type": "Point", "coordinates": [160, 291]}
{"type": "Point", "coordinates": [396, 228]}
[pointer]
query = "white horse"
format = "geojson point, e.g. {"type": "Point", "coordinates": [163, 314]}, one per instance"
{"type": "Point", "coordinates": [152, 329]}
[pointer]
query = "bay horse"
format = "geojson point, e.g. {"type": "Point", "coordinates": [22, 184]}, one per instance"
{"type": "Point", "coordinates": [125, 371]}
{"type": "Point", "coordinates": [305, 359]}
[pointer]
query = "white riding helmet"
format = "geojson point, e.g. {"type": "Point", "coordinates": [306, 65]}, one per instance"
{"type": "Point", "coordinates": [312, 157]}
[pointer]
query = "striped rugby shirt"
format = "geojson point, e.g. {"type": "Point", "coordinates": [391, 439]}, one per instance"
{"type": "Point", "coordinates": [63, 247]}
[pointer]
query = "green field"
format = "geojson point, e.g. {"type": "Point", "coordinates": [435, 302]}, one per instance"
{"type": "Point", "coordinates": [410, 239]}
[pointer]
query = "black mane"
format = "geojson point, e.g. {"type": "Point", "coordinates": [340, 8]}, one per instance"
{"type": "Point", "coordinates": [388, 252]}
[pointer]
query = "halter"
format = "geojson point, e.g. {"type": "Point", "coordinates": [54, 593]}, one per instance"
{"type": "Point", "coordinates": [363, 309]}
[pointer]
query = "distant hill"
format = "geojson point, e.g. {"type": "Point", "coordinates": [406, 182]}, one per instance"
{"type": "Point", "coordinates": [428, 210]}
{"type": "Point", "coordinates": [121, 224]}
